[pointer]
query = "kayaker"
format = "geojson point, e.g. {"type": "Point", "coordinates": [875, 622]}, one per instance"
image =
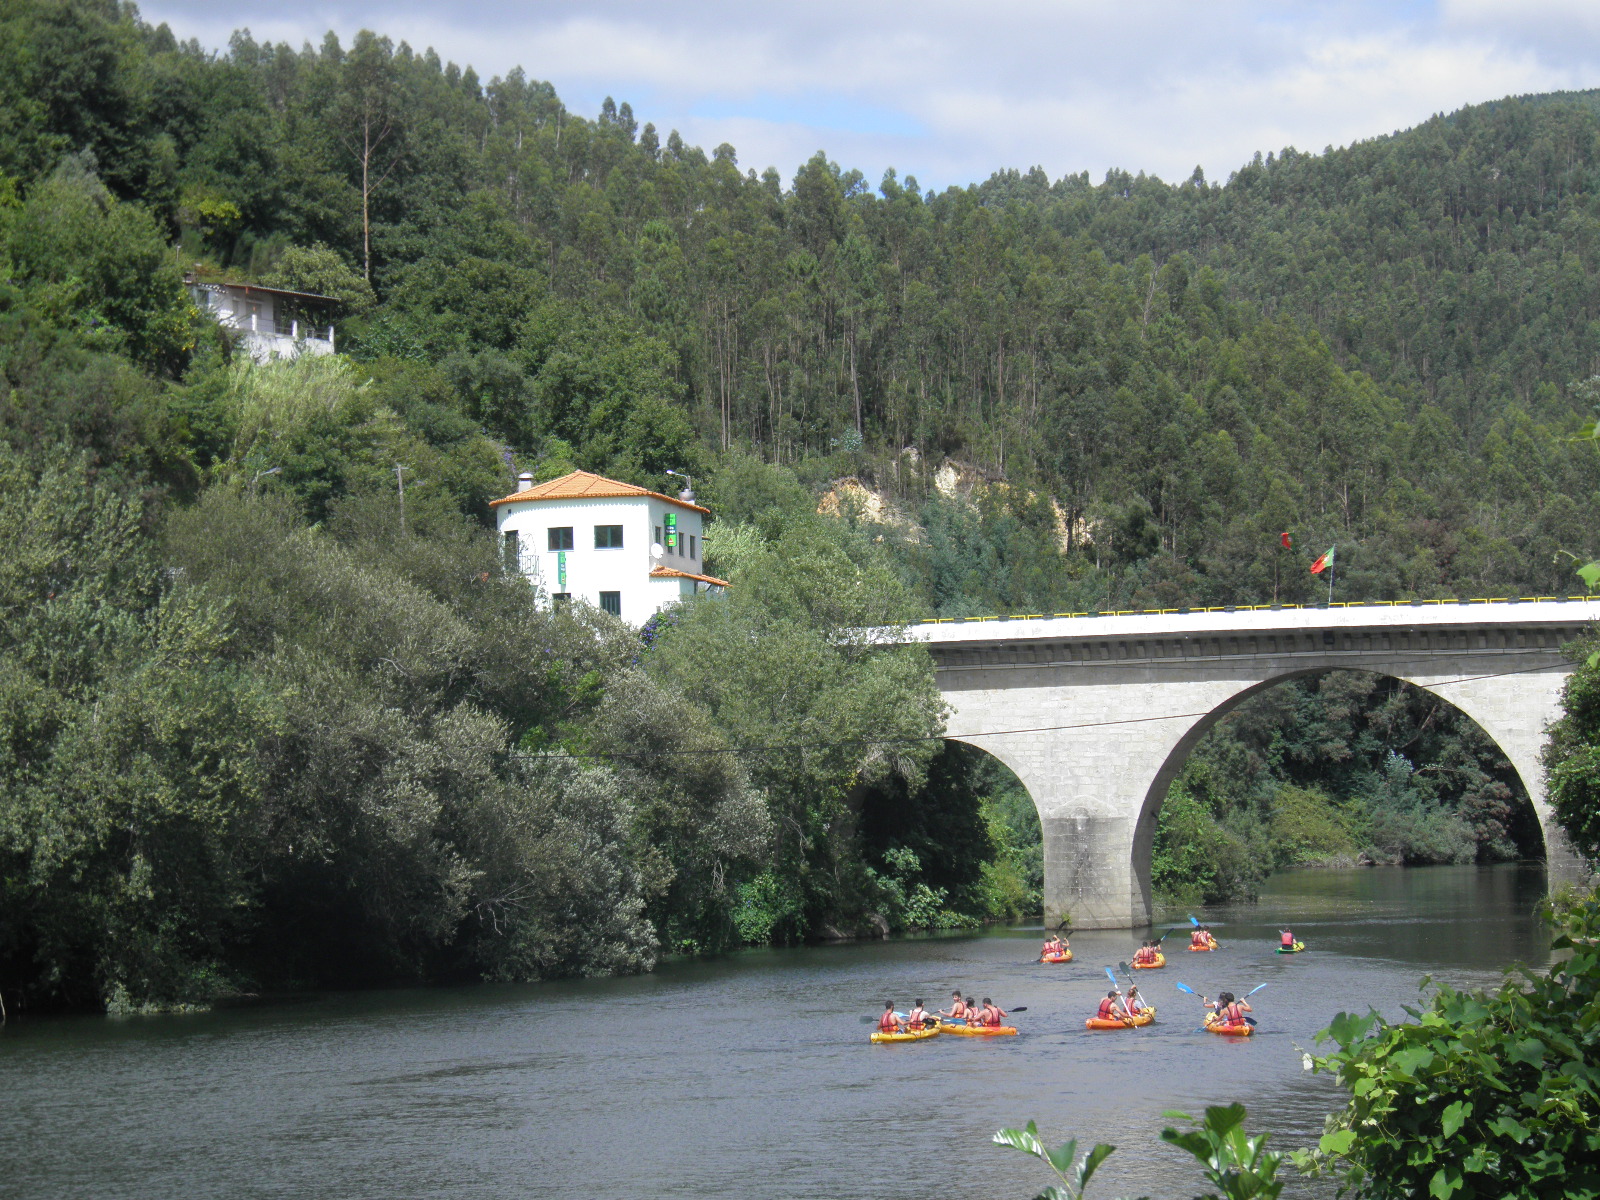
{"type": "Point", "coordinates": [1200, 939]}
{"type": "Point", "coordinates": [974, 1016]}
{"type": "Point", "coordinates": [1228, 1010]}
{"type": "Point", "coordinates": [890, 1022]}
{"type": "Point", "coordinates": [1288, 938]}
{"type": "Point", "coordinates": [1108, 1007]}
{"type": "Point", "coordinates": [1145, 955]}
{"type": "Point", "coordinates": [992, 1016]}
{"type": "Point", "coordinates": [958, 1008]}
{"type": "Point", "coordinates": [1135, 1003]}
{"type": "Point", "coordinates": [917, 1017]}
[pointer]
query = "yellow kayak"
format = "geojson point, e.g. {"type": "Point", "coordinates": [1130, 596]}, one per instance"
{"type": "Point", "coordinates": [920, 1035]}
{"type": "Point", "coordinates": [1161, 961]}
{"type": "Point", "coordinates": [1145, 1017]}
{"type": "Point", "coordinates": [1064, 956]}
{"type": "Point", "coordinates": [1242, 1029]}
{"type": "Point", "coordinates": [979, 1030]}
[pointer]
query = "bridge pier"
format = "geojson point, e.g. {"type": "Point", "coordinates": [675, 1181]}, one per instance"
{"type": "Point", "coordinates": [1096, 717]}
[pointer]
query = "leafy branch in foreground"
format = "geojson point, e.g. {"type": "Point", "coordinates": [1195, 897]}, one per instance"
{"type": "Point", "coordinates": [1486, 1094]}
{"type": "Point", "coordinates": [1236, 1164]}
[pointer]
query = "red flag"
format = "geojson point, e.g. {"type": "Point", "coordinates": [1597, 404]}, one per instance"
{"type": "Point", "coordinates": [1323, 563]}
{"type": "Point", "coordinates": [1284, 538]}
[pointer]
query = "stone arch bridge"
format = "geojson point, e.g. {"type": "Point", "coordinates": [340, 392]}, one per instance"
{"type": "Point", "coordinates": [1096, 713]}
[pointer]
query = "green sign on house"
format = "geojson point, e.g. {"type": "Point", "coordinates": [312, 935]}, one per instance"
{"type": "Point", "coordinates": [561, 568]}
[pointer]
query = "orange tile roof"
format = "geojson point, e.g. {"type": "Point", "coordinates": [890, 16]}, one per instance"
{"type": "Point", "coordinates": [585, 485]}
{"type": "Point", "coordinates": [674, 573]}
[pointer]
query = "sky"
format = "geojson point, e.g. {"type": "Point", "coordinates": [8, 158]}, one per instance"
{"type": "Point", "coordinates": [951, 92]}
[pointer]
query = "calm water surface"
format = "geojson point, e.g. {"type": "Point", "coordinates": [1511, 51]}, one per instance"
{"type": "Point", "coordinates": [749, 1076]}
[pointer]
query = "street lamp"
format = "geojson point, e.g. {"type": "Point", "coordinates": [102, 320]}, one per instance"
{"type": "Point", "coordinates": [687, 495]}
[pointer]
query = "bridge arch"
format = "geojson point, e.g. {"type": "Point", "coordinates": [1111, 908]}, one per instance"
{"type": "Point", "coordinates": [1528, 771]}
{"type": "Point", "coordinates": [1094, 714]}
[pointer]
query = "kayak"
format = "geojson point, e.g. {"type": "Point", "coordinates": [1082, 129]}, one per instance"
{"type": "Point", "coordinates": [1064, 956]}
{"type": "Point", "coordinates": [920, 1035]}
{"type": "Point", "coordinates": [1161, 961]}
{"type": "Point", "coordinates": [1205, 949]}
{"type": "Point", "coordinates": [1295, 949]}
{"type": "Point", "coordinates": [980, 1030]}
{"type": "Point", "coordinates": [1242, 1029]}
{"type": "Point", "coordinates": [1145, 1017]}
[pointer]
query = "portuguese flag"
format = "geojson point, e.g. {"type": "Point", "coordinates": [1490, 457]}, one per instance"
{"type": "Point", "coordinates": [1323, 563]}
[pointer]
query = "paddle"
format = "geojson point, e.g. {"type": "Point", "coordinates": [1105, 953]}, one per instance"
{"type": "Point", "coordinates": [1128, 971]}
{"type": "Point", "coordinates": [1184, 987]}
{"type": "Point", "coordinates": [1168, 934]}
{"type": "Point", "coordinates": [1128, 1011]}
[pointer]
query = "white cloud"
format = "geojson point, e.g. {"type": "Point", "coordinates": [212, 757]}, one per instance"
{"type": "Point", "coordinates": [950, 91]}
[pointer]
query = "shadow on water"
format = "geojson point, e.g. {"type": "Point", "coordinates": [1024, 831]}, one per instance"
{"type": "Point", "coordinates": [745, 1076]}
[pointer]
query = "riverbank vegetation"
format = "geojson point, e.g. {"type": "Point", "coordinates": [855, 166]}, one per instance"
{"type": "Point", "coordinates": [1341, 769]}
{"type": "Point", "coordinates": [264, 722]}
{"type": "Point", "coordinates": [1481, 1094]}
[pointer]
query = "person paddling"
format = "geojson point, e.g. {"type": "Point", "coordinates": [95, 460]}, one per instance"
{"type": "Point", "coordinates": [1199, 939]}
{"type": "Point", "coordinates": [1145, 955]}
{"type": "Point", "coordinates": [1108, 1010]}
{"type": "Point", "coordinates": [1287, 935]}
{"type": "Point", "coordinates": [992, 1016]}
{"type": "Point", "coordinates": [958, 1008]}
{"type": "Point", "coordinates": [917, 1017]}
{"type": "Point", "coordinates": [1135, 1003]}
{"type": "Point", "coordinates": [890, 1022]}
{"type": "Point", "coordinates": [1227, 1010]}
{"type": "Point", "coordinates": [974, 1015]}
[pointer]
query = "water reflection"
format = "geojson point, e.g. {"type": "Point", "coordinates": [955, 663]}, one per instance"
{"type": "Point", "coordinates": [749, 1076]}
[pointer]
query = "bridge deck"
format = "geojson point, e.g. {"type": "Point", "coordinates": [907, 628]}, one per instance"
{"type": "Point", "coordinates": [1253, 619]}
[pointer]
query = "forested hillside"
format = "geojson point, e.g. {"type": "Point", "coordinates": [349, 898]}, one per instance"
{"type": "Point", "coordinates": [256, 731]}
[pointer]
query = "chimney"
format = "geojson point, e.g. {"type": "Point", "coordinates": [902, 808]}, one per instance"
{"type": "Point", "coordinates": [524, 481]}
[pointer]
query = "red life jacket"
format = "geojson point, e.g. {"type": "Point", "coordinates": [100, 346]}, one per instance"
{"type": "Point", "coordinates": [1108, 1010]}
{"type": "Point", "coordinates": [916, 1015]}
{"type": "Point", "coordinates": [1232, 1015]}
{"type": "Point", "coordinates": [1197, 938]}
{"type": "Point", "coordinates": [1288, 939]}
{"type": "Point", "coordinates": [887, 1024]}
{"type": "Point", "coordinates": [1145, 955]}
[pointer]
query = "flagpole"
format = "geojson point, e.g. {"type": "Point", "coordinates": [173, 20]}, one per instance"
{"type": "Point", "coordinates": [1333, 568]}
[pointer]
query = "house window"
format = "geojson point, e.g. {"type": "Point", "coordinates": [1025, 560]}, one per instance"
{"type": "Point", "coordinates": [611, 602]}
{"type": "Point", "coordinates": [561, 539]}
{"type": "Point", "coordinates": [692, 550]}
{"type": "Point", "coordinates": [608, 537]}
{"type": "Point", "coordinates": [513, 556]}
{"type": "Point", "coordinates": [561, 598]}
{"type": "Point", "coordinates": [659, 542]}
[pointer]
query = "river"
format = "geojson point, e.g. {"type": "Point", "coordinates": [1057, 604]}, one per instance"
{"type": "Point", "coordinates": [748, 1076]}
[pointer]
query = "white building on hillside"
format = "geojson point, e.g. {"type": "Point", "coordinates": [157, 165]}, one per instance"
{"type": "Point", "coordinates": [269, 322]}
{"type": "Point", "coordinates": [622, 548]}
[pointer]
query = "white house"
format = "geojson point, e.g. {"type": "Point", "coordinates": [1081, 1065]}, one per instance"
{"type": "Point", "coordinates": [622, 548]}
{"type": "Point", "coordinates": [270, 322]}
